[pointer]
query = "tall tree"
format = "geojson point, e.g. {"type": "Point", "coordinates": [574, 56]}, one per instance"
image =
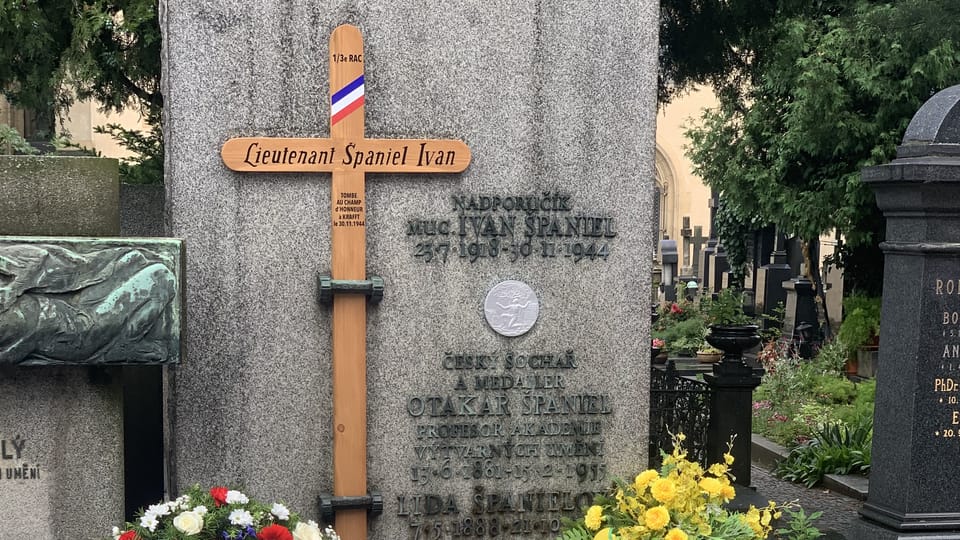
{"type": "Point", "coordinates": [815, 94]}
{"type": "Point", "coordinates": [55, 51]}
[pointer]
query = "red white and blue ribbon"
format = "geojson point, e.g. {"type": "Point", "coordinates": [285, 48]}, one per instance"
{"type": "Point", "coordinates": [346, 100]}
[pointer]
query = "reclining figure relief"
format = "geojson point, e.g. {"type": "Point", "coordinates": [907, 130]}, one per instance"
{"type": "Point", "coordinates": [87, 304]}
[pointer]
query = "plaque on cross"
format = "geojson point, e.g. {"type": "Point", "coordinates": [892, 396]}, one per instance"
{"type": "Point", "coordinates": [349, 156]}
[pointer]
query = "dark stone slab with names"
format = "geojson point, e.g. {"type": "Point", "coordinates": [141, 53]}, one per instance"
{"type": "Point", "coordinates": [916, 442]}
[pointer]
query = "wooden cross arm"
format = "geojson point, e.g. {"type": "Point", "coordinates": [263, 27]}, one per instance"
{"type": "Point", "coordinates": [265, 154]}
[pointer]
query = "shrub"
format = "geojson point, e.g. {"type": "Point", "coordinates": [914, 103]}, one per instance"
{"type": "Point", "coordinates": [799, 397]}
{"type": "Point", "coordinates": [861, 322]}
{"type": "Point", "coordinates": [680, 500]}
{"type": "Point", "coordinates": [684, 336]}
{"type": "Point", "coordinates": [835, 449]}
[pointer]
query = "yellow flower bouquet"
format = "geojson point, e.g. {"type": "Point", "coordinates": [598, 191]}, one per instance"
{"type": "Point", "coordinates": [681, 501]}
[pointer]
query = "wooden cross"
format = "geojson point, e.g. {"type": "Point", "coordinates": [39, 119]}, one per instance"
{"type": "Point", "coordinates": [348, 155]}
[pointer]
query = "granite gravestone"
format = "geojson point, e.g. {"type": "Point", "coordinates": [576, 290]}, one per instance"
{"type": "Point", "coordinates": [471, 432]}
{"type": "Point", "coordinates": [61, 428]}
{"type": "Point", "coordinates": [916, 440]}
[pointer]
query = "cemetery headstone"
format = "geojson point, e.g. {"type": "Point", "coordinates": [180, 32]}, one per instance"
{"type": "Point", "coordinates": [81, 303]}
{"type": "Point", "coordinates": [771, 295]}
{"type": "Point", "coordinates": [697, 242]}
{"type": "Point", "coordinates": [718, 267]}
{"type": "Point", "coordinates": [686, 233]}
{"type": "Point", "coordinates": [470, 430]}
{"type": "Point", "coordinates": [704, 272]}
{"type": "Point", "coordinates": [669, 263]}
{"type": "Point", "coordinates": [800, 315]}
{"type": "Point", "coordinates": [762, 243]}
{"type": "Point", "coordinates": [914, 472]}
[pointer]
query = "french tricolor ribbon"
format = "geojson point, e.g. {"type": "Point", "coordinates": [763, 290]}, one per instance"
{"type": "Point", "coordinates": [346, 100]}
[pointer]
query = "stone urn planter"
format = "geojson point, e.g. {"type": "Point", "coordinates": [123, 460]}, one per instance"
{"type": "Point", "coordinates": [733, 340]}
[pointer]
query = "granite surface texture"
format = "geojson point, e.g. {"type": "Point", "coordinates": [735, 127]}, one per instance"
{"type": "Point", "coordinates": [58, 196]}
{"type": "Point", "coordinates": [551, 98]}
{"type": "Point", "coordinates": [141, 210]}
{"type": "Point", "coordinates": [67, 420]}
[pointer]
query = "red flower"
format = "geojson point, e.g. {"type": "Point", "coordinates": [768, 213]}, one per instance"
{"type": "Point", "coordinates": [675, 308]}
{"type": "Point", "coordinates": [129, 535]}
{"type": "Point", "coordinates": [274, 532]}
{"type": "Point", "coordinates": [219, 495]}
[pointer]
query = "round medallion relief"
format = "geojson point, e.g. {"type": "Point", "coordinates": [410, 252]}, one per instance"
{"type": "Point", "coordinates": [511, 308]}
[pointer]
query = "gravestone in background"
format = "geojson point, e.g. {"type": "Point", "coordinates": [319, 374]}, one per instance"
{"type": "Point", "coordinates": [916, 442]}
{"type": "Point", "coordinates": [470, 429]}
{"type": "Point", "coordinates": [61, 436]}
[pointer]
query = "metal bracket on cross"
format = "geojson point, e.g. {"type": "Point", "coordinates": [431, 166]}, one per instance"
{"type": "Point", "coordinates": [327, 287]}
{"type": "Point", "coordinates": [372, 503]}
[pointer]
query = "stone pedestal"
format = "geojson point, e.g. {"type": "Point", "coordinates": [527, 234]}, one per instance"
{"type": "Point", "coordinates": [62, 472]}
{"type": "Point", "coordinates": [731, 403]}
{"type": "Point", "coordinates": [915, 473]}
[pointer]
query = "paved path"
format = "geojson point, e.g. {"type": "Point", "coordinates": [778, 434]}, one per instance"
{"type": "Point", "coordinates": [839, 511]}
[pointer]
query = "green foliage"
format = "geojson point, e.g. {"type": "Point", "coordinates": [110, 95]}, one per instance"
{"type": "Point", "coordinates": [833, 390]}
{"type": "Point", "coordinates": [799, 525]}
{"type": "Point", "coordinates": [799, 397]}
{"type": "Point", "coordinates": [835, 449]}
{"type": "Point", "coordinates": [816, 91]}
{"type": "Point", "coordinates": [861, 322]}
{"type": "Point", "coordinates": [681, 326]}
{"type": "Point", "coordinates": [146, 165]}
{"type": "Point", "coordinates": [33, 38]}
{"type": "Point", "coordinates": [10, 138]}
{"type": "Point", "coordinates": [832, 356]}
{"type": "Point", "coordinates": [575, 531]}
{"type": "Point", "coordinates": [55, 51]}
{"type": "Point", "coordinates": [109, 51]}
{"type": "Point", "coordinates": [683, 337]}
{"type": "Point", "coordinates": [725, 309]}
{"type": "Point", "coordinates": [734, 228]}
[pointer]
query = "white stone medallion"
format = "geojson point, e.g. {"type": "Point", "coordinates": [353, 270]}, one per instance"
{"type": "Point", "coordinates": [511, 308]}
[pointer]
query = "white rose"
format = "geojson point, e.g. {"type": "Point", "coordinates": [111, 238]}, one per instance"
{"type": "Point", "coordinates": [307, 531]}
{"type": "Point", "coordinates": [189, 523]}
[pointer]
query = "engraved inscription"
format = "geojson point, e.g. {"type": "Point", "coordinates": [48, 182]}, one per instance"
{"type": "Point", "coordinates": [348, 210]}
{"type": "Point", "coordinates": [512, 228]}
{"type": "Point", "coordinates": [14, 465]}
{"type": "Point", "coordinates": [520, 431]}
{"type": "Point", "coordinates": [946, 387]}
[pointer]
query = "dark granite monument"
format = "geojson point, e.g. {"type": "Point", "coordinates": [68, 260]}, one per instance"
{"type": "Point", "coordinates": [916, 445]}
